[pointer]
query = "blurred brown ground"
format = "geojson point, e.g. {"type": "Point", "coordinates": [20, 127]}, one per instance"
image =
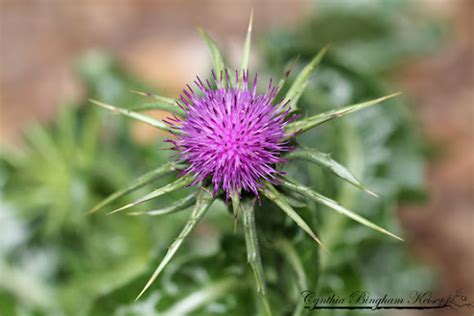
{"type": "Point", "coordinates": [157, 40]}
{"type": "Point", "coordinates": [442, 230]}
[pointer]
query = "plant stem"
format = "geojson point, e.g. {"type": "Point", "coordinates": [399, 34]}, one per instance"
{"type": "Point", "coordinates": [253, 252]}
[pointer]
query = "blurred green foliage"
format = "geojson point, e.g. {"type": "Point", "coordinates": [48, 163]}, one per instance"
{"type": "Point", "coordinates": [54, 258]}
{"type": "Point", "coordinates": [57, 260]}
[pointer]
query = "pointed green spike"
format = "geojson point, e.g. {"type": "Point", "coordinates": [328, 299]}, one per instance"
{"type": "Point", "coordinates": [306, 124]}
{"type": "Point", "coordinates": [276, 197]}
{"type": "Point", "coordinates": [179, 205]}
{"type": "Point", "coordinates": [217, 59]}
{"type": "Point", "coordinates": [287, 73]}
{"type": "Point", "coordinates": [203, 202]}
{"type": "Point", "coordinates": [235, 197]}
{"type": "Point", "coordinates": [136, 184]}
{"type": "Point", "coordinates": [137, 116]}
{"type": "Point", "coordinates": [246, 52]}
{"type": "Point", "coordinates": [321, 199]}
{"type": "Point", "coordinates": [170, 187]}
{"type": "Point", "coordinates": [301, 81]}
{"type": "Point", "coordinates": [163, 103]}
{"type": "Point", "coordinates": [157, 97]}
{"type": "Point", "coordinates": [175, 109]}
{"type": "Point", "coordinates": [158, 106]}
{"type": "Point", "coordinates": [325, 160]}
{"type": "Point", "coordinates": [253, 251]}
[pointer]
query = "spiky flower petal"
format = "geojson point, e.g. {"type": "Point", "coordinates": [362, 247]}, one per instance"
{"type": "Point", "coordinates": [233, 135]}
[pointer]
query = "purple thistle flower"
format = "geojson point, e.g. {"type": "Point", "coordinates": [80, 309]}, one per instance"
{"type": "Point", "coordinates": [233, 135]}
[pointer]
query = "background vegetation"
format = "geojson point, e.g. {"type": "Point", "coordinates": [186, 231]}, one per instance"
{"type": "Point", "coordinates": [57, 260]}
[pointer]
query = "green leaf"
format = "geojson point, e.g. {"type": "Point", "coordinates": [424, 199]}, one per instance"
{"type": "Point", "coordinates": [66, 133]}
{"type": "Point", "coordinates": [170, 187]}
{"type": "Point", "coordinates": [203, 201]}
{"type": "Point", "coordinates": [301, 81]}
{"type": "Point", "coordinates": [136, 184]}
{"type": "Point", "coordinates": [289, 252]}
{"type": "Point", "coordinates": [246, 53]}
{"type": "Point", "coordinates": [163, 103]}
{"type": "Point", "coordinates": [321, 199]}
{"type": "Point", "coordinates": [253, 251]}
{"type": "Point", "coordinates": [325, 160]}
{"type": "Point", "coordinates": [217, 59]}
{"type": "Point", "coordinates": [42, 142]}
{"type": "Point", "coordinates": [204, 296]}
{"type": "Point", "coordinates": [88, 139]}
{"type": "Point", "coordinates": [306, 124]}
{"type": "Point", "coordinates": [138, 116]}
{"type": "Point", "coordinates": [177, 206]}
{"type": "Point", "coordinates": [286, 248]}
{"type": "Point", "coordinates": [276, 197]}
{"type": "Point", "coordinates": [26, 286]}
{"type": "Point", "coordinates": [294, 201]}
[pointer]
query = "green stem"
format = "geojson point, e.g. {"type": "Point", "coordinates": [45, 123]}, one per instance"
{"type": "Point", "coordinates": [253, 251]}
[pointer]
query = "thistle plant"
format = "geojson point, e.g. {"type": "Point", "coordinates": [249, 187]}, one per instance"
{"type": "Point", "coordinates": [231, 142]}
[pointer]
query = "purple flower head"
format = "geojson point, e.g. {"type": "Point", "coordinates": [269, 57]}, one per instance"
{"type": "Point", "coordinates": [232, 135]}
